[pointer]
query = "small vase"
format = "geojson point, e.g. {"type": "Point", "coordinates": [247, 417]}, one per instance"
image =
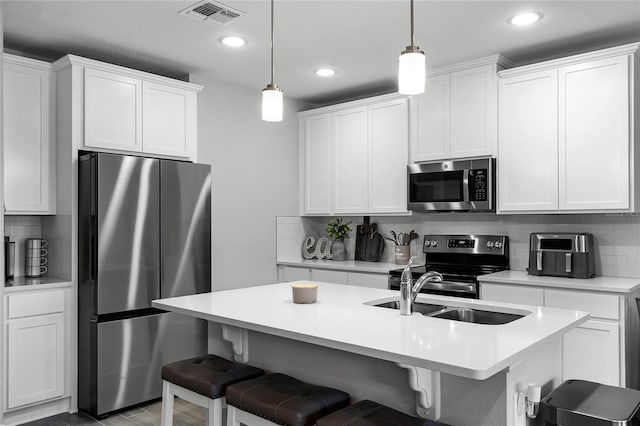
{"type": "Point", "coordinates": [338, 249]}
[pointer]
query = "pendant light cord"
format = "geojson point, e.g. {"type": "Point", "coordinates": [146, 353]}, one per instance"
{"type": "Point", "coordinates": [272, 67]}
{"type": "Point", "coordinates": [413, 35]}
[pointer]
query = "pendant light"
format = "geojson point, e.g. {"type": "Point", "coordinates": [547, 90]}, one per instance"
{"type": "Point", "coordinates": [272, 98]}
{"type": "Point", "coordinates": [411, 67]}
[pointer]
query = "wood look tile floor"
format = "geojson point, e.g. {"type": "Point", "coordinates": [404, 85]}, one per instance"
{"type": "Point", "coordinates": [184, 414]}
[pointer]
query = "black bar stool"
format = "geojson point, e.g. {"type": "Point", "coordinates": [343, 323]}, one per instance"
{"type": "Point", "coordinates": [202, 381]}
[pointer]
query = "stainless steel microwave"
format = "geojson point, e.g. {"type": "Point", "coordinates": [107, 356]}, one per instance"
{"type": "Point", "coordinates": [457, 185]}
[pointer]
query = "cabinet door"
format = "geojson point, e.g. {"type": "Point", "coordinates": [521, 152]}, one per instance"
{"type": "Point", "coordinates": [528, 142]}
{"type": "Point", "coordinates": [169, 120]}
{"type": "Point", "coordinates": [362, 279]}
{"type": "Point", "coordinates": [350, 157]}
{"type": "Point", "coordinates": [594, 135]}
{"type": "Point", "coordinates": [432, 142]}
{"type": "Point", "coordinates": [28, 152]}
{"type": "Point", "coordinates": [592, 352]}
{"type": "Point", "coordinates": [295, 274]}
{"type": "Point", "coordinates": [329, 276]}
{"type": "Point", "coordinates": [316, 165]}
{"type": "Point", "coordinates": [472, 117]}
{"type": "Point", "coordinates": [112, 111]}
{"type": "Point", "coordinates": [388, 156]}
{"type": "Point", "coordinates": [524, 295]}
{"type": "Point", "coordinates": [35, 363]}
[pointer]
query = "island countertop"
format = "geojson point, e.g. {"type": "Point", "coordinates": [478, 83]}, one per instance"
{"type": "Point", "coordinates": [342, 320]}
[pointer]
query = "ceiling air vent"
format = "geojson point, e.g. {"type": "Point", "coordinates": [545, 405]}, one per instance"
{"type": "Point", "coordinates": [212, 12]}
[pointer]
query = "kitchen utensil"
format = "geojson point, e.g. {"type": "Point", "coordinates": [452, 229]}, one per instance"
{"type": "Point", "coordinates": [36, 252]}
{"type": "Point", "coordinates": [35, 271]}
{"type": "Point", "coordinates": [9, 258]}
{"type": "Point", "coordinates": [374, 245]}
{"type": "Point", "coordinates": [362, 233]}
{"type": "Point", "coordinates": [35, 261]}
{"type": "Point", "coordinates": [36, 243]}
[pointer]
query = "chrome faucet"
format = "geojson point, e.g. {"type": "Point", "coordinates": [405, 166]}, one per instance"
{"type": "Point", "coordinates": [407, 292]}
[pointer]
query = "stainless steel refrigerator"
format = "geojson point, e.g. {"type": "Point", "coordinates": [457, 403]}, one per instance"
{"type": "Point", "coordinates": [144, 232]}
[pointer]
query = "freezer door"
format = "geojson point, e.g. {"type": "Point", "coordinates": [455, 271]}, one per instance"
{"type": "Point", "coordinates": [128, 243]}
{"type": "Point", "coordinates": [185, 223]}
{"type": "Point", "coordinates": [130, 354]}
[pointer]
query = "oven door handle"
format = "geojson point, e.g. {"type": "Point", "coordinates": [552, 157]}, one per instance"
{"type": "Point", "coordinates": [450, 286]}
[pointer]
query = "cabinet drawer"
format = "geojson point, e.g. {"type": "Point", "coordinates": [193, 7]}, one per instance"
{"type": "Point", "coordinates": [29, 304]}
{"type": "Point", "coordinates": [329, 276]}
{"type": "Point", "coordinates": [524, 295]}
{"type": "Point", "coordinates": [368, 280]}
{"type": "Point", "coordinates": [598, 305]}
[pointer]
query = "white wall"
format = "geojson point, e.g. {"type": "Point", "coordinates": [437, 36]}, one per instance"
{"type": "Point", "coordinates": [255, 179]}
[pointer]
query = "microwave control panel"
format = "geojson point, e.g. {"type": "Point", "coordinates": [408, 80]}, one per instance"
{"type": "Point", "coordinates": [478, 185]}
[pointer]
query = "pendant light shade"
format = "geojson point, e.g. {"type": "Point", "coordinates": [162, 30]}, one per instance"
{"type": "Point", "coordinates": [412, 69]}
{"type": "Point", "coordinates": [272, 103]}
{"type": "Point", "coordinates": [272, 99]}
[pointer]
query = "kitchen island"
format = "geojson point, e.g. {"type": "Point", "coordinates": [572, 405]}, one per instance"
{"type": "Point", "coordinates": [523, 351]}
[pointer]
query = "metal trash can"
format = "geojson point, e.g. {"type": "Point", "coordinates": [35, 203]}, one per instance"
{"type": "Point", "coordinates": [583, 403]}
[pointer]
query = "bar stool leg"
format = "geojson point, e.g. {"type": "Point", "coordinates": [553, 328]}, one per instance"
{"type": "Point", "coordinates": [214, 415]}
{"type": "Point", "coordinates": [232, 418]}
{"type": "Point", "coordinates": [166, 414]}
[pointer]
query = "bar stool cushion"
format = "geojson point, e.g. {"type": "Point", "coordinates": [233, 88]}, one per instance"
{"type": "Point", "coordinates": [285, 400]}
{"type": "Point", "coordinates": [370, 413]}
{"type": "Point", "coordinates": [208, 375]}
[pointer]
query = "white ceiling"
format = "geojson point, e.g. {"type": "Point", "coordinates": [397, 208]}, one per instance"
{"type": "Point", "coordinates": [361, 39]}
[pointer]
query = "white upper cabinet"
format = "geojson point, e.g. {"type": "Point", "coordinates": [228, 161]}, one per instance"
{"type": "Point", "coordinates": [169, 120]}
{"type": "Point", "coordinates": [315, 134]}
{"type": "Point", "coordinates": [125, 110]}
{"type": "Point", "coordinates": [112, 111]}
{"type": "Point", "coordinates": [456, 116]}
{"type": "Point", "coordinates": [593, 142]}
{"type": "Point", "coordinates": [528, 160]}
{"type": "Point", "coordinates": [565, 140]}
{"type": "Point", "coordinates": [354, 157]}
{"type": "Point", "coordinates": [29, 142]}
{"type": "Point", "coordinates": [350, 161]}
{"type": "Point", "coordinates": [388, 153]}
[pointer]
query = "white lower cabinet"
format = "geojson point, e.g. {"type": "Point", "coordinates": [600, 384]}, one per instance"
{"type": "Point", "coordinates": [36, 350]}
{"type": "Point", "coordinates": [35, 361]}
{"type": "Point", "coordinates": [361, 279]}
{"type": "Point", "coordinates": [590, 352]}
{"type": "Point", "coordinates": [329, 276]}
{"type": "Point", "coordinates": [596, 349]}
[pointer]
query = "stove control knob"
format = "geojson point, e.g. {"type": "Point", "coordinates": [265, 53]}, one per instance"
{"type": "Point", "coordinates": [497, 245]}
{"type": "Point", "coordinates": [490, 244]}
{"type": "Point", "coordinates": [427, 243]}
{"type": "Point", "coordinates": [434, 243]}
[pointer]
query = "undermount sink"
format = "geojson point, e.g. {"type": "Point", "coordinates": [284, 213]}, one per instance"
{"type": "Point", "coordinates": [423, 308]}
{"type": "Point", "coordinates": [475, 316]}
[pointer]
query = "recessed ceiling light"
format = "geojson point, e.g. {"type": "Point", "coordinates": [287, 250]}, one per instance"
{"type": "Point", "coordinates": [526, 18]}
{"type": "Point", "coordinates": [233, 41]}
{"type": "Point", "coordinates": [325, 72]}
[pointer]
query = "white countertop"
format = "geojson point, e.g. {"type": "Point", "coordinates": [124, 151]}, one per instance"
{"type": "Point", "coordinates": [40, 283]}
{"type": "Point", "coordinates": [342, 265]}
{"type": "Point", "coordinates": [602, 284]}
{"type": "Point", "coordinates": [341, 320]}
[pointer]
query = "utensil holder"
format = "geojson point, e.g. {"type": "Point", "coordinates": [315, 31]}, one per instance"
{"type": "Point", "coordinates": [403, 254]}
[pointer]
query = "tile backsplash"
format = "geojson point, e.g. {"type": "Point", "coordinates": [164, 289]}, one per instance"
{"type": "Point", "coordinates": [19, 229]}
{"type": "Point", "coordinates": [616, 237]}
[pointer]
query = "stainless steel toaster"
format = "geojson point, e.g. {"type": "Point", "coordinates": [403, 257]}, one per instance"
{"type": "Point", "coordinates": [562, 255]}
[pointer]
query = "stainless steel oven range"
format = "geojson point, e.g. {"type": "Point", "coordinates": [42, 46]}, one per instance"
{"type": "Point", "coordinates": [460, 259]}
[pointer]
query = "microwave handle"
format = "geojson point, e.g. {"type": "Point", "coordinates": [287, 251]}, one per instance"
{"type": "Point", "coordinates": [465, 185]}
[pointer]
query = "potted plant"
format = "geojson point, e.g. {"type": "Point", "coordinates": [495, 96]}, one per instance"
{"type": "Point", "coordinates": [338, 230]}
